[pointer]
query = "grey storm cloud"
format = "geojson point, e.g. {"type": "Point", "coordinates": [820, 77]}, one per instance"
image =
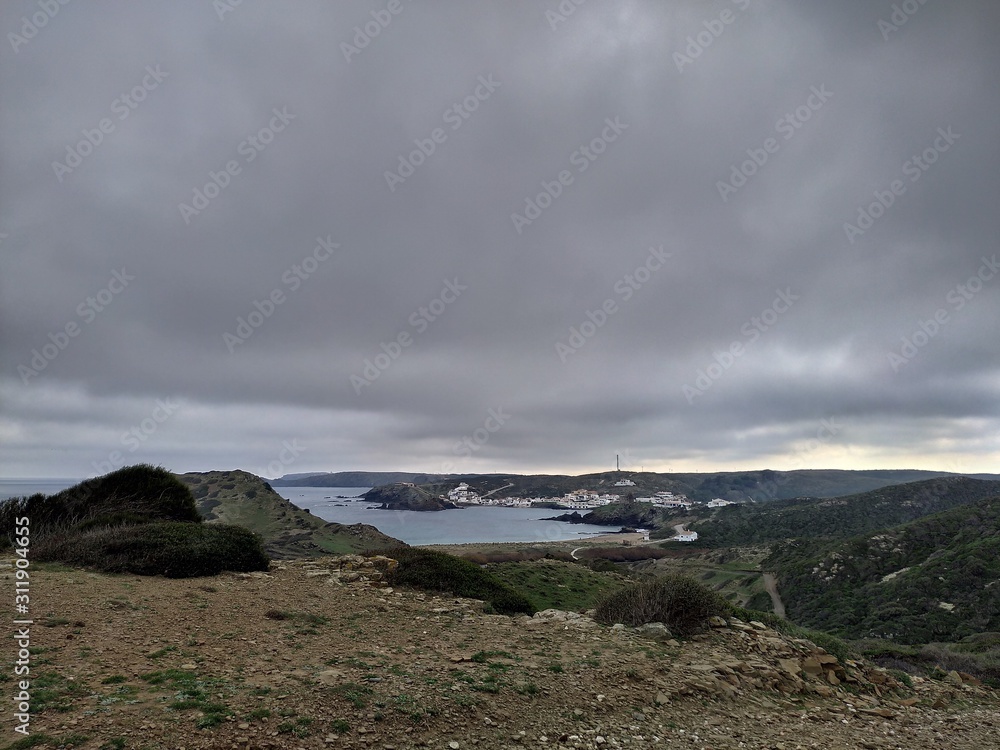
{"type": "Point", "coordinates": [684, 232]}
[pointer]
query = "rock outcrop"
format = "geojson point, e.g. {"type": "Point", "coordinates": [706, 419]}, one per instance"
{"type": "Point", "coordinates": [406, 497]}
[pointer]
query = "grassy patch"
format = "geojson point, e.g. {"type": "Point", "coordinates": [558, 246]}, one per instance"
{"type": "Point", "coordinates": [483, 657]}
{"type": "Point", "coordinates": [353, 693]}
{"type": "Point", "coordinates": [526, 688]}
{"type": "Point", "coordinates": [192, 692]}
{"type": "Point", "coordinates": [553, 584]}
{"type": "Point", "coordinates": [300, 727]}
{"type": "Point", "coordinates": [435, 571]}
{"type": "Point", "coordinates": [32, 740]}
{"type": "Point", "coordinates": [53, 692]}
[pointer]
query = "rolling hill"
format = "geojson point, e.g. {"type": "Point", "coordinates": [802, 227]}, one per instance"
{"type": "Point", "coordinates": [933, 579]}
{"type": "Point", "coordinates": [841, 516]}
{"type": "Point", "coordinates": [243, 499]}
{"type": "Point", "coordinates": [763, 485]}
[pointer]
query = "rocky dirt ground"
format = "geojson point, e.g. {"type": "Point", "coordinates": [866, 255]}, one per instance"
{"type": "Point", "coordinates": [310, 655]}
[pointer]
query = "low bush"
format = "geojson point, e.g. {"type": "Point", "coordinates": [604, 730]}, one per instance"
{"type": "Point", "coordinates": [174, 549]}
{"type": "Point", "coordinates": [436, 571]}
{"type": "Point", "coordinates": [134, 494]}
{"type": "Point", "coordinates": [679, 602]}
{"type": "Point", "coordinates": [622, 554]}
{"type": "Point", "coordinates": [937, 659]}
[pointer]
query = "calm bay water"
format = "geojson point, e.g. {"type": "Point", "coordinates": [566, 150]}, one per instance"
{"type": "Point", "coordinates": [471, 524]}
{"type": "Point", "coordinates": [27, 487]}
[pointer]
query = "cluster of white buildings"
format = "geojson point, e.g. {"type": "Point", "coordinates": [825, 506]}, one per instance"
{"type": "Point", "coordinates": [587, 499]}
{"type": "Point", "coordinates": [719, 503]}
{"type": "Point", "coordinates": [465, 494]}
{"type": "Point", "coordinates": [666, 500]}
{"type": "Point", "coordinates": [577, 500]}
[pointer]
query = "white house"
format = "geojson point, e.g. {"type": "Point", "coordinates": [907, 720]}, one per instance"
{"type": "Point", "coordinates": [463, 494]}
{"type": "Point", "coordinates": [719, 503]}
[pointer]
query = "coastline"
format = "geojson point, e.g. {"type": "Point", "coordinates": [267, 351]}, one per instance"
{"type": "Point", "coordinates": [613, 539]}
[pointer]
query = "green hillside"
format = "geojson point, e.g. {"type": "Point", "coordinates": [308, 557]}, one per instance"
{"type": "Point", "coordinates": [356, 479]}
{"type": "Point", "coordinates": [842, 516]}
{"type": "Point", "coordinates": [243, 499]}
{"type": "Point", "coordinates": [139, 519]}
{"type": "Point", "coordinates": [762, 485]}
{"type": "Point", "coordinates": [934, 579]}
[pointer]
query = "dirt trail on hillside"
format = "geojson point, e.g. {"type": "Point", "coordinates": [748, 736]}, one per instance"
{"type": "Point", "coordinates": [771, 584]}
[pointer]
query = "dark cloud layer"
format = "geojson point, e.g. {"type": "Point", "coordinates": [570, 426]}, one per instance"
{"type": "Point", "coordinates": [648, 309]}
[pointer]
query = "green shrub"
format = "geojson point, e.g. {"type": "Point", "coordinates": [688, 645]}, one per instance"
{"type": "Point", "coordinates": [133, 494]}
{"type": "Point", "coordinates": [679, 602]}
{"type": "Point", "coordinates": [436, 571]}
{"type": "Point", "coordinates": [120, 518]}
{"type": "Point", "coordinates": [171, 548]}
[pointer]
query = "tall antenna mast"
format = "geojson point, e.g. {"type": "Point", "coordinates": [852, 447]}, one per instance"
{"type": "Point", "coordinates": [617, 467]}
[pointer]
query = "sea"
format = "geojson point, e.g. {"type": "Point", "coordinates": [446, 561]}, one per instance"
{"type": "Point", "coordinates": [463, 526]}
{"type": "Point", "coordinates": [27, 487]}
{"type": "Point", "coordinates": [343, 505]}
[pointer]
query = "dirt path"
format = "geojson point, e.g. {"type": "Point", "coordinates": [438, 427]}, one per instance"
{"type": "Point", "coordinates": [771, 584]}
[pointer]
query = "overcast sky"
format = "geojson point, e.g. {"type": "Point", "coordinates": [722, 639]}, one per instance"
{"type": "Point", "coordinates": [499, 236]}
